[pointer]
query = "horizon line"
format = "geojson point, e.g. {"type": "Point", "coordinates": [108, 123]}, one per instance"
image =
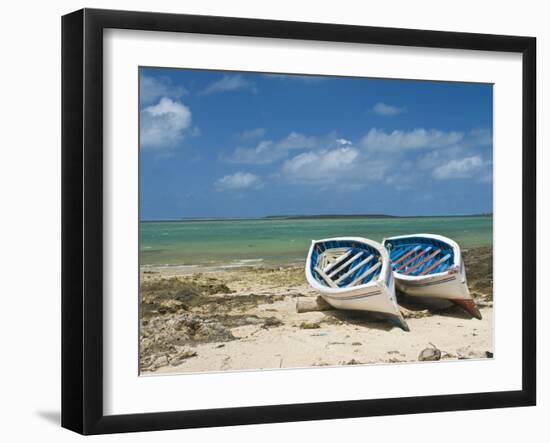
{"type": "Point", "coordinates": [310, 216]}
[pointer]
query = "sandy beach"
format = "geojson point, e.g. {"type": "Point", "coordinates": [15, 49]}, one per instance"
{"type": "Point", "coordinates": [204, 320]}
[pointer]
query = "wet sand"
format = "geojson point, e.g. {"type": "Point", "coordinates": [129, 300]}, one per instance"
{"type": "Point", "coordinates": [245, 318]}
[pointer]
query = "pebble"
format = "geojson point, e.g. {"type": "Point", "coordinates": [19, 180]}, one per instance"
{"type": "Point", "coordinates": [430, 354]}
{"type": "Point", "coordinates": [466, 353]}
{"type": "Point", "coordinates": [310, 325]}
{"type": "Point", "coordinates": [161, 361]}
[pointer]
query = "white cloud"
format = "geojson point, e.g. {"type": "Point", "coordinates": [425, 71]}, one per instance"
{"type": "Point", "coordinates": [321, 166]}
{"type": "Point", "coordinates": [468, 167]}
{"type": "Point", "coordinates": [434, 158]}
{"type": "Point", "coordinates": [395, 141]}
{"type": "Point", "coordinates": [387, 110]}
{"type": "Point", "coordinates": [343, 142]}
{"type": "Point", "coordinates": [238, 182]}
{"type": "Point", "coordinates": [481, 136]}
{"type": "Point", "coordinates": [163, 125]}
{"type": "Point", "coordinates": [229, 83]}
{"type": "Point", "coordinates": [268, 151]}
{"type": "Point", "coordinates": [400, 159]}
{"type": "Point", "coordinates": [262, 154]}
{"type": "Point", "coordinates": [295, 140]}
{"type": "Point", "coordinates": [153, 88]}
{"type": "Point", "coordinates": [252, 134]}
{"type": "Point", "coordinates": [402, 174]}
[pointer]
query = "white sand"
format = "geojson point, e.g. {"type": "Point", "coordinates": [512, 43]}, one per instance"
{"type": "Point", "coordinates": [361, 342]}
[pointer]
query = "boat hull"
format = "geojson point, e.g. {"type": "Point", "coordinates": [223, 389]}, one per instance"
{"type": "Point", "coordinates": [376, 296]}
{"type": "Point", "coordinates": [450, 285]}
{"type": "Point", "coordinates": [451, 288]}
{"type": "Point", "coordinates": [446, 286]}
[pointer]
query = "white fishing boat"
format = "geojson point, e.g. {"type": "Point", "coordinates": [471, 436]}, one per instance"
{"type": "Point", "coordinates": [354, 273]}
{"type": "Point", "coordinates": [428, 265]}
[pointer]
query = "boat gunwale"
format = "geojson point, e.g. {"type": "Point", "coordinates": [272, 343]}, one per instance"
{"type": "Point", "coordinates": [457, 257]}
{"type": "Point", "coordinates": [375, 283]}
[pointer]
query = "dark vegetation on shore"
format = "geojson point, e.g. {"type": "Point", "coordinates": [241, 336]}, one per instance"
{"type": "Point", "coordinates": [478, 263]}
{"type": "Point", "coordinates": [179, 312]}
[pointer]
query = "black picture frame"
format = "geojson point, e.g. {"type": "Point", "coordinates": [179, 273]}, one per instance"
{"type": "Point", "coordinates": [82, 219]}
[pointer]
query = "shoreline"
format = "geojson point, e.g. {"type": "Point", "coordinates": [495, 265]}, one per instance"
{"type": "Point", "coordinates": [245, 318]}
{"type": "Point", "coordinates": [175, 269]}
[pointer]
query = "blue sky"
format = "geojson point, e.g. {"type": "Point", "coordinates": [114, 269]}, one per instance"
{"type": "Point", "coordinates": [234, 144]}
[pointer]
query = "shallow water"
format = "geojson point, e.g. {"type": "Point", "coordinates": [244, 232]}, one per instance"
{"type": "Point", "coordinates": [234, 243]}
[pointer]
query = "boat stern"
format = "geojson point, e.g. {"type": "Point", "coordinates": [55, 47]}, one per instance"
{"type": "Point", "coordinates": [469, 305]}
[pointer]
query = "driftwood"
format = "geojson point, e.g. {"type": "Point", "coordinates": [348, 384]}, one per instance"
{"type": "Point", "coordinates": [311, 304]}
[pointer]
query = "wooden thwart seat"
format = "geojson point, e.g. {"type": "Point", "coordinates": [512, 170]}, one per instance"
{"type": "Point", "coordinates": [416, 257]}
{"type": "Point", "coordinates": [435, 265]}
{"type": "Point", "coordinates": [343, 265]}
{"type": "Point", "coordinates": [421, 262]}
{"type": "Point", "coordinates": [337, 261]}
{"type": "Point", "coordinates": [365, 275]}
{"type": "Point", "coordinates": [404, 256]}
{"type": "Point", "coordinates": [355, 268]}
{"type": "Point", "coordinates": [325, 277]}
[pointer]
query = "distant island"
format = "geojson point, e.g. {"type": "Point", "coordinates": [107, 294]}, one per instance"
{"type": "Point", "coordinates": [306, 217]}
{"type": "Point", "coordinates": [314, 217]}
{"type": "Point", "coordinates": [340, 216]}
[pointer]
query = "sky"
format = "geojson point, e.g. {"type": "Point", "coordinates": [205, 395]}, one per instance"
{"type": "Point", "coordinates": [238, 145]}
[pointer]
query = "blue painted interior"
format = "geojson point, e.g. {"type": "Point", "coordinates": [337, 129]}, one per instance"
{"type": "Point", "coordinates": [355, 247]}
{"type": "Point", "coordinates": [397, 248]}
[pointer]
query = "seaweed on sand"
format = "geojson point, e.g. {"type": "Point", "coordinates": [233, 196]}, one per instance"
{"type": "Point", "coordinates": [478, 263]}
{"type": "Point", "coordinates": [178, 313]}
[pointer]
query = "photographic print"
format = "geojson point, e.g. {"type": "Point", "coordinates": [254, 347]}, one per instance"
{"type": "Point", "coordinates": [298, 221]}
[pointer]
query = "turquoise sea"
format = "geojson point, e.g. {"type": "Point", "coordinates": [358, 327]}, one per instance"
{"type": "Point", "coordinates": [234, 243]}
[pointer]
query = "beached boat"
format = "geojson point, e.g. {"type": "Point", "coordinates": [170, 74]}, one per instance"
{"type": "Point", "coordinates": [428, 265]}
{"type": "Point", "coordinates": [354, 273]}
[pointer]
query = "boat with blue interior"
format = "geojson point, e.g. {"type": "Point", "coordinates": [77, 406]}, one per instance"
{"type": "Point", "coordinates": [354, 273]}
{"type": "Point", "coordinates": [429, 265]}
